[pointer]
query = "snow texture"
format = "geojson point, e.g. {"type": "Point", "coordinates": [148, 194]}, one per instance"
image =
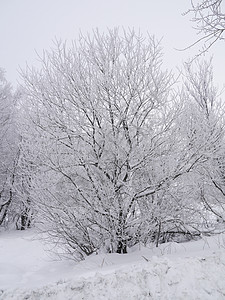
{"type": "Point", "coordinates": [194, 270]}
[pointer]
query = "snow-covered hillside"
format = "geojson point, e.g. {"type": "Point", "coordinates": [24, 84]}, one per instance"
{"type": "Point", "coordinates": [194, 270]}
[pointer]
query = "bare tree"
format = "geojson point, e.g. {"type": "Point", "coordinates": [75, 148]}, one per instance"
{"type": "Point", "coordinates": [103, 114]}
{"type": "Point", "coordinates": [204, 133]}
{"type": "Point", "coordinates": [106, 144]}
{"type": "Point", "coordinates": [8, 151]}
{"type": "Point", "coordinates": [13, 204]}
{"type": "Point", "coordinates": [209, 19]}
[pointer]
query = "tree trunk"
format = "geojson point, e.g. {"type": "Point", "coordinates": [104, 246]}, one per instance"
{"type": "Point", "coordinates": [121, 242]}
{"type": "Point", "coordinates": [121, 247]}
{"type": "Point", "coordinates": [5, 207]}
{"type": "Point", "coordinates": [26, 216]}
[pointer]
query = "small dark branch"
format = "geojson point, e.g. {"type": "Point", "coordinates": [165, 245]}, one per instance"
{"type": "Point", "coordinates": [158, 235]}
{"type": "Point", "coordinates": [218, 187]}
{"type": "Point", "coordinates": [146, 259]}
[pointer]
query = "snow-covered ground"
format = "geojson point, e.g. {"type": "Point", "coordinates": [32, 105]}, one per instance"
{"type": "Point", "coordinates": [193, 270]}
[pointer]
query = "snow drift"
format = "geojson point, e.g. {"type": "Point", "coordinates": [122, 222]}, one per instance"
{"type": "Point", "coordinates": [194, 270]}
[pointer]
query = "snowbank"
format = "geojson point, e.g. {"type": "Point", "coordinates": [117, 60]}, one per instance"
{"type": "Point", "coordinates": [194, 270]}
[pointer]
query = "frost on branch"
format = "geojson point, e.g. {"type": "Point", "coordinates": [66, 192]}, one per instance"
{"type": "Point", "coordinates": [209, 21]}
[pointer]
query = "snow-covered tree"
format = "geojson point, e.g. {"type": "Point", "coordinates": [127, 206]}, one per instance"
{"type": "Point", "coordinates": [103, 117]}
{"type": "Point", "coordinates": [8, 149]}
{"type": "Point", "coordinates": [209, 21]}
{"type": "Point", "coordinates": [108, 144]}
{"type": "Point", "coordinates": [14, 209]}
{"type": "Point", "coordinates": [203, 129]}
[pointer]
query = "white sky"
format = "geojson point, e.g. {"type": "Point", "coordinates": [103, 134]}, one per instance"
{"type": "Point", "coordinates": [27, 26]}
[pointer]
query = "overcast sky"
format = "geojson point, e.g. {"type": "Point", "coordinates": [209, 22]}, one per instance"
{"type": "Point", "coordinates": [29, 26]}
